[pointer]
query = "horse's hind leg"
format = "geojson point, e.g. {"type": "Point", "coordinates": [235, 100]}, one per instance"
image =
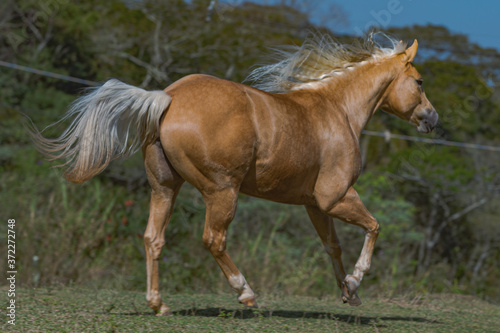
{"type": "Point", "coordinates": [351, 210]}
{"type": "Point", "coordinates": [221, 207]}
{"type": "Point", "coordinates": [165, 184]}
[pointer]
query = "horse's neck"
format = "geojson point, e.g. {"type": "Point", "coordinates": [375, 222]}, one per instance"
{"type": "Point", "coordinates": [360, 92]}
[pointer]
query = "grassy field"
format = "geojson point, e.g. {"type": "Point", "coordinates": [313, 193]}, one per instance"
{"type": "Point", "coordinates": [88, 310]}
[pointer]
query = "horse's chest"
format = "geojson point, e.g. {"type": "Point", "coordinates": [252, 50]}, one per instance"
{"type": "Point", "coordinates": [345, 161]}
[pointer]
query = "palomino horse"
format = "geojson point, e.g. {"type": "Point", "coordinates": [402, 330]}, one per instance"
{"type": "Point", "coordinates": [294, 141]}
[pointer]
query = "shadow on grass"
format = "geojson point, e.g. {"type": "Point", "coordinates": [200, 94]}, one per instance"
{"type": "Point", "coordinates": [256, 313]}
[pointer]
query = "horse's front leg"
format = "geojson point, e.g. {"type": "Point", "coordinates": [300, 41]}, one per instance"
{"type": "Point", "coordinates": [325, 228]}
{"type": "Point", "coordinates": [351, 210]}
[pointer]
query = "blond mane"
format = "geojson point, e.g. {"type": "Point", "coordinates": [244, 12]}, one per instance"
{"type": "Point", "coordinates": [320, 57]}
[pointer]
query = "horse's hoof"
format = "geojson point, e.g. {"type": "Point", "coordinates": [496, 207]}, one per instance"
{"type": "Point", "coordinates": [249, 302]}
{"type": "Point", "coordinates": [349, 293]}
{"type": "Point", "coordinates": [163, 311]}
{"type": "Point", "coordinates": [354, 301]}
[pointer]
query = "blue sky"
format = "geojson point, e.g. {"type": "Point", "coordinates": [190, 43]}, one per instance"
{"type": "Point", "coordinates": [479, 19]}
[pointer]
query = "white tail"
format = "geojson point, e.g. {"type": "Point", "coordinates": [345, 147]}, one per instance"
{"type": "Point", "coordinates": [112, 121]}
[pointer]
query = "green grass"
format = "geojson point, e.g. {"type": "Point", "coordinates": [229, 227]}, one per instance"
{"type": "Point", "coordinates": [94, 310]}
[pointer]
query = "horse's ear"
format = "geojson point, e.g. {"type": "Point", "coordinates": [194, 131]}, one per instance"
{"type": "Point", "coordinates": [411, 52]}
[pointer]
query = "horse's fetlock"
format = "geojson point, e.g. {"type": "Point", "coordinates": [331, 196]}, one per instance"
{"type": "Point", "coordinates": [154, 300]}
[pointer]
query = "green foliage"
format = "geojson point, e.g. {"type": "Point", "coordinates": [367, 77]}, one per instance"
{"type": "Point", "coordinates": [463, 99]}
{"type": "Point", "coordinates": [445, 168]}
{"type": "Point", "coordinates": [394, 213]}
{"type": "Point", "coordinates": [92, 234]}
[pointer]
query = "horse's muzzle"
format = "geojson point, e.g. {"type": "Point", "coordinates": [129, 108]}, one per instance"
{"type": "Point", "coordinates": [426, 120]}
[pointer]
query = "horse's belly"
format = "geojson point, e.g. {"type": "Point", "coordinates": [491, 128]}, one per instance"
{"type": "Point", "coordinates": [280, 184]}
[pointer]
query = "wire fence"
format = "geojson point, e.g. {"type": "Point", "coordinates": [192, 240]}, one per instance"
{"type": "Point", "coordinates": [386, 135]}
{"type": "Point", "coordinates": [48, 74]}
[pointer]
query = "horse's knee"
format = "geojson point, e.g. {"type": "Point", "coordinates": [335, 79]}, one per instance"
{"type": "Point", "coordinates": [374, 228]}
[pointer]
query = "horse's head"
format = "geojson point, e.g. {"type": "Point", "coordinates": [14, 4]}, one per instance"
{"type": "Point", "coordinates": [405, 96]}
